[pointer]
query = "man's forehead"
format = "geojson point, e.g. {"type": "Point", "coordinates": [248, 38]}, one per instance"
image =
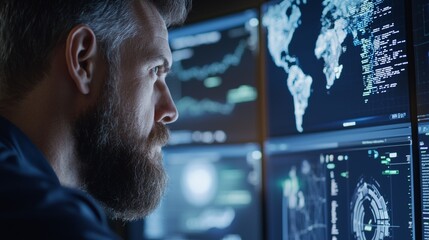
{"type": "Point", "coordinates": [149, 19]}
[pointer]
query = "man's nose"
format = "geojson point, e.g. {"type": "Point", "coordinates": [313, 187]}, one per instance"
{"type": "Point", "coordinates": [165, 110]}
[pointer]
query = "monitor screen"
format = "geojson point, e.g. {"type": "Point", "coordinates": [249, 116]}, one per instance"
{"type": "Point", "coordinates": [335, 64]}
{"type": "Point", "coordinates": [424, 177]}
{"type": "Point", "coordinates": [349, 184]}
{"type": "Point", "coordinates": [421, 54]}
{"type": "Point", "coordinates": [213, 193]}
{"type": "Point", "coordinates": [213, 80]}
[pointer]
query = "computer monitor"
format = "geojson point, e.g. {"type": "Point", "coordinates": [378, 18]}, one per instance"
{"type": "Point", "coordinates": [348, 184]}
{"type": "Point", "coordinates": [335, 64]}
{"type": "Point", "coordinates": [213, 193]}
{"type": "Point", "coordinates": [213, 80]}
{"type": "Point", "coordinates": [338, 72]}
{"type": "Point", "coordinates": [424, 177]}
{"type": "Point", "coordinates": [421, 52]}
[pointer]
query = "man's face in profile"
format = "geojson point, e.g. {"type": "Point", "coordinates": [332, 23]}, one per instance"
{"type": "Point", "coordinates": [119, 141]}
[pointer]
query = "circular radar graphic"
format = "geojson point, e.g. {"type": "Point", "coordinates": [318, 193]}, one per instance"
{"type": "Point", "coordinates": [369, 215]}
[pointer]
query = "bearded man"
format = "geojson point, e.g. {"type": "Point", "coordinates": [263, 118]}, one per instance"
{"type": "Point", "coordinates": [84, 107]}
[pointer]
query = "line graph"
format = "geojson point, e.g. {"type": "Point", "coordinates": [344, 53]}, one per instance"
{"type": "Point", "coordinates": [190, 107]}
{"type": "Point", "coordinates": [202, 72]}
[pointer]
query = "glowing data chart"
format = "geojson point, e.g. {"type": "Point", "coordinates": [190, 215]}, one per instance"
{"type": "Point", "coordinates": [213, 80]}
{"type": "Point", "coordinates": [421, 51]}
{"type": "Point", "coordinates": [370, 217]}
{"type": "Point", "coordinates": [354, 184]}
{"type": "Point", "coordinates": [424, 176]}
{"type": "Point", "coordinates": [303, 194]}
{"type": "Point", "coordinates": [213, 194]}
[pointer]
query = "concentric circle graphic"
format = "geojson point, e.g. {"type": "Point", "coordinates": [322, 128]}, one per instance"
{"type": "Point", "coordinates": [369, 214]}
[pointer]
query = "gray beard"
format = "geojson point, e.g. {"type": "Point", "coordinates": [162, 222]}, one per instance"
{"type": "Point", "coordinates": [116, 166]}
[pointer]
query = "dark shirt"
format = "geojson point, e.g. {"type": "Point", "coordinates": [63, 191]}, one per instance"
{"type": "Point", "coordinates": [33, 204]}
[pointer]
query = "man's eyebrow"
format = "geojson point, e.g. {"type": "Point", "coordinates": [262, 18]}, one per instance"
{"type": "Point", "coordinates": [156, 57]}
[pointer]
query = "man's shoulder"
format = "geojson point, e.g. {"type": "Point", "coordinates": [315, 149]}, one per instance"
{"type": "Point", "coordinates": [33, 204]}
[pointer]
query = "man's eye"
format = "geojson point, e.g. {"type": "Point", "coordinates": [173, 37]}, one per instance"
{"type": "Point", "coordinates": [155, 70]}
{"type": "Point", "coordinates": [159, 70]}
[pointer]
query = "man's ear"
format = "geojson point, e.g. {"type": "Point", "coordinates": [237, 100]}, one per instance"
{"type": "Point", "coordinates": [81, 55]}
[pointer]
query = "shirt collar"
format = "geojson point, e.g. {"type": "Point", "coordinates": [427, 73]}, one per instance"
{"type": "Point", "coordinates": [29, 156]}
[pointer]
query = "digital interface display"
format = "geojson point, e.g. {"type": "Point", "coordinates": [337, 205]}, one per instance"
{"type": "Point", "coordinates": [335, 64]}
{"type": "Point", "coordinates": [424, 176]}
{"type": "Point", "coordinates": [359, 187]}
{"type": "Point", "coordinates": [213, 193]}
{"type": "Point", "coordinates": [335, 70]}
{"type": "Point", "coordinates": [420, 16]}
{"type": "Point", "coordinates": [213, 80]}
{"type": "Point", "coordinates": [421, 52]}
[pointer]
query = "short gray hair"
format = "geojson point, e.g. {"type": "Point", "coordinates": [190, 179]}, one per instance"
{"type": "Point", "coordinates": [30, 30]}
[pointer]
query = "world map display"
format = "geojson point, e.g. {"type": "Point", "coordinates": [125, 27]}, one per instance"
{"type": "Point", "coordinates": [315, 44]}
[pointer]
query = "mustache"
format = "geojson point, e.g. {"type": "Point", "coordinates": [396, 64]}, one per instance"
{"type": "Point", "coordinates": [159, 134]}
